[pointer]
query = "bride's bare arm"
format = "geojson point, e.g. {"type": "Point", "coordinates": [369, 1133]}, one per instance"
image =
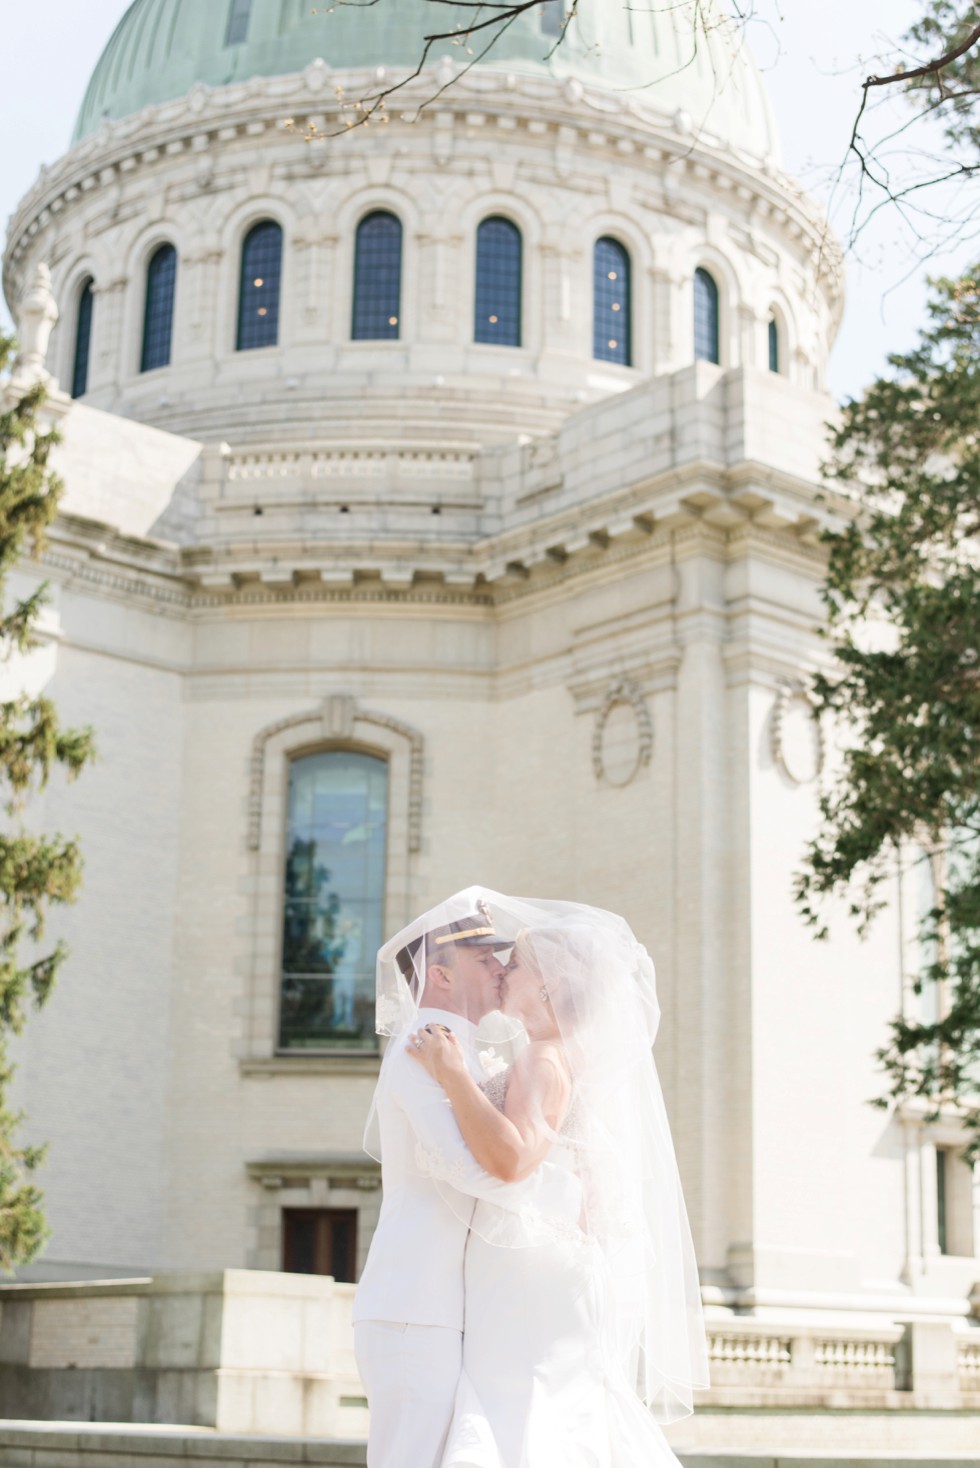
{"type": "Point", "coordinates": [509, 1144]}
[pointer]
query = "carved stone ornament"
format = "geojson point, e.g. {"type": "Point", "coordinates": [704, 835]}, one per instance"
{"type": "Point", "coordinates": [337, 717]}
{"type": "Point", "coordinates": [796, 736]}
{"type": "Point", "coordinates": [36, 316]}
{"type": "Point", "coordinates": [622, 741]}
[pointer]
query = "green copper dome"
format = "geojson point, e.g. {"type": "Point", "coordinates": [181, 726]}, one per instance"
{"type": "Point", "coordinates": [160, 48]}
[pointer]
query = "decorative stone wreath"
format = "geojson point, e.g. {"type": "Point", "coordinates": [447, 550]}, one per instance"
{"type": "Point", "coordinates": [623, 694]}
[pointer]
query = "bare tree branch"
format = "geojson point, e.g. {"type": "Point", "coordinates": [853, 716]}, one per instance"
{"type": "Point", "coordinates": [932, 68]}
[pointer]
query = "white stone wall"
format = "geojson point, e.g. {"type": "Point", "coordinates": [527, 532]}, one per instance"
{"type": "Point", "coordinates": [652, 571]}
{"type": "Point", "coordinates": [94, 1066]}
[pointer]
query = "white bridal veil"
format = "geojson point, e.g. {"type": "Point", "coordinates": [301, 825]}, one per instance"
{"type": "Point", "coordinates": [631, 1230]}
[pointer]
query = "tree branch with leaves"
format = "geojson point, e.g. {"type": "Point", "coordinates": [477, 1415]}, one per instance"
{"type": "Point", "coordinates": [903, 603]}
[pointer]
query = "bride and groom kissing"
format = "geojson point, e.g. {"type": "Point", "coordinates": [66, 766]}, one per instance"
{"type": "Point", "coordinates": [530, 1298]}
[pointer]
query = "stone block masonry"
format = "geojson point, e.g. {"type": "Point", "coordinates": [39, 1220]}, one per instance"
{"type": "Point", "coordinates": [235, 1351]}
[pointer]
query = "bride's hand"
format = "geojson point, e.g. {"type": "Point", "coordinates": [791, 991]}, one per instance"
{"type": "Point", "coordinates": [437, 1049]}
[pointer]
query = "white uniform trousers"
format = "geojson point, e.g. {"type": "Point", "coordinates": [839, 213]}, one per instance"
{"type": "Point", "coordinates": [410, 1374]}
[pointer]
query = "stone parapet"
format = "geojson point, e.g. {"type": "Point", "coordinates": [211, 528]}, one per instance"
{"type": "Point", "coordinates": [258, 1351]}
{"type": "Point", "coordinates": [237, 1351]}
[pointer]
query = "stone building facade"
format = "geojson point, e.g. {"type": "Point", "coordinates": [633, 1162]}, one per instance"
{"type": "Point", "coordinates": [534, 610]}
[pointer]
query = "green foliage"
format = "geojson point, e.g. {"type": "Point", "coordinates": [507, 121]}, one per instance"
{"type": "Point", "coordinates": [945, 25]}
{"type": "Point", "coordinates": [35, 870]}
{"type": "Point", "coordinates": [903, 602]}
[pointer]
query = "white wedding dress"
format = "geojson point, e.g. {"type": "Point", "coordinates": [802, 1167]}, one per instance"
{"type": "Point", "coordinates": [537, 1389]}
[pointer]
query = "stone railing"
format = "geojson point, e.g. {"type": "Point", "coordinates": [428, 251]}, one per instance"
{"type": "Point", "coordinates": [968, 1360]}
{"type": "Point", "coordinates": [919, 1363]}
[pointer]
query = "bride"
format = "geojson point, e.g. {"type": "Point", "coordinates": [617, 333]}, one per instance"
{"type": "Point", "coordinates": [583, 1328]}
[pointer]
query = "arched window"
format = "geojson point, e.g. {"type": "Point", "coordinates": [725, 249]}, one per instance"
{"type": "Point", "coordinates": [258, 301]}
{"type": "Point", "coordinates": [498, 283]}
{"type": "Point", "coordinates": [158, 316]}
{"type": "Point", "coordinates": [83, 339]}
{"type": "Point", "coordinates": [611, 302]}
{"type": "Point", "coordinates": [333, 920]}
{"type": "Point", "coordinates": [706, 346]}
{"type": "Point", "coordinates": [774, 345]}
{"type": "Point", "coordinates": [377, 278]}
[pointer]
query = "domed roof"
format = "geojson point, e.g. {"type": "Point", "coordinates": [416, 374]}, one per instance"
{"type": "Point", "coordinates": [160, 48]}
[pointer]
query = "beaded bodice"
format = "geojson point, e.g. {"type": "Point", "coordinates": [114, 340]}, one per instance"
{"type": "Point", "coordinates": [495, 1088]}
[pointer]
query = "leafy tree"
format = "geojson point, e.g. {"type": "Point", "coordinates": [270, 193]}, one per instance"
{"type": "Point", "coordinates": [949, 31]}
{"type": "Point", "coordinates": [35, 870]}
{"type": "Point", "coordinates": [903, 602]}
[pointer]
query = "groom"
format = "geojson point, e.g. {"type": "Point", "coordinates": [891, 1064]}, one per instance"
{"type": "Point", "coordinates": [408, 1310]}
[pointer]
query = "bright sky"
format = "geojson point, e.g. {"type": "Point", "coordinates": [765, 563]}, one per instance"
{"type": "Point", "coordinates": [813, 58]}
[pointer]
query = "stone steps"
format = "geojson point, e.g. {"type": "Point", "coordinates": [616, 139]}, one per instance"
{"type": "Point", "coordinates": [106, 1445]}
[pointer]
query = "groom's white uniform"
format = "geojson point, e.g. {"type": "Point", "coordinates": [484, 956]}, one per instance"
{"type": "Point", "coordinates": [408, 1310]}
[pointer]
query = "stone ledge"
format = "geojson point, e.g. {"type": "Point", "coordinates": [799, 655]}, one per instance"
{"type": "Point", "coordinates": [65, 1445]}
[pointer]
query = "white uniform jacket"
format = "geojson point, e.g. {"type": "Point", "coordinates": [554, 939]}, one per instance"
{"type": "Point", "coordinates": [414, 1269]}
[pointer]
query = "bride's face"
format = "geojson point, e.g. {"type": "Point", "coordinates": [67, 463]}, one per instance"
{"type": "Point", "coordinates": [520, 988]}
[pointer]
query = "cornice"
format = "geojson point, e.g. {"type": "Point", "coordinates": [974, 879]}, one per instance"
{"type": "Point", "coordinates": [697, 509]}
{"type": "Point", "coordinates": [546, 113]}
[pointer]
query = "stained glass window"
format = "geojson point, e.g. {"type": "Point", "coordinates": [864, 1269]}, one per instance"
{"type": "Point", "coordinates": [83, 340]}
{"type": "Point", "coordinates": [498, 283]}
{"type": "Point", "coordinates": [773, 344]}
{"type": "Point", "coordinates": [334, 900]}
{"type": "Point", "coordinates": [706, 346]}
{"type": "Point", "coordinates": [258, 302]}
{"type": "Point", "coordinates": [377, 278]}
{"type": "Point", "coordinates": [611, 302]}
{"type": "Point", "coordinates": [239, 14]}
{"type": "Point", "coordinates": [158, 316]}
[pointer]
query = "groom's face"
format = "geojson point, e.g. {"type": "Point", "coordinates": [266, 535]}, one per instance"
{"type": "Point", "coordinates": [477, 975]}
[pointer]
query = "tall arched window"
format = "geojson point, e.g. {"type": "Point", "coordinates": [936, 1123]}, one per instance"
{"type": "Point", "coordinates": [498, 283]}
{"type": "Point", "coordinates": [158, 315]}
{"type": "Point", "coordinates": [377, 278]}
{"type": "Point", "coordinates": [333, 916]}
{"type": "Point", "coordinates": [774, 365]}
{"type": "Point", "coordinates": [258, 300]}
{"type": "Point", "coordinates": [83, 339]}
{"type": "Point", "coordinates": [706, 336]}
{"type": "Point", "coordinates": [611, 302]}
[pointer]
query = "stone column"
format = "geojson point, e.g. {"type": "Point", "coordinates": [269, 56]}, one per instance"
{"type": "Point", "coordinates": [107, 346]}
{"type": "Point", "coordinates": [315, 263]}
{"type": "Point", "coordinates": [562, 327]}
{"type": "Point", "coordinates": [750, 329]}
{"type": "Point", "coordinates": [441, 305]}
{"type": "Point", "coordinates": [712, 1133]}
{"type": "Point", "coordinates": [665, 297]}
{"type": "Point", "coordinates": [199, 302]}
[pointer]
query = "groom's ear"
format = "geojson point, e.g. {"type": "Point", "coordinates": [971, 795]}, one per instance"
{"type": "Point", "coordinates": [437, 976]}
